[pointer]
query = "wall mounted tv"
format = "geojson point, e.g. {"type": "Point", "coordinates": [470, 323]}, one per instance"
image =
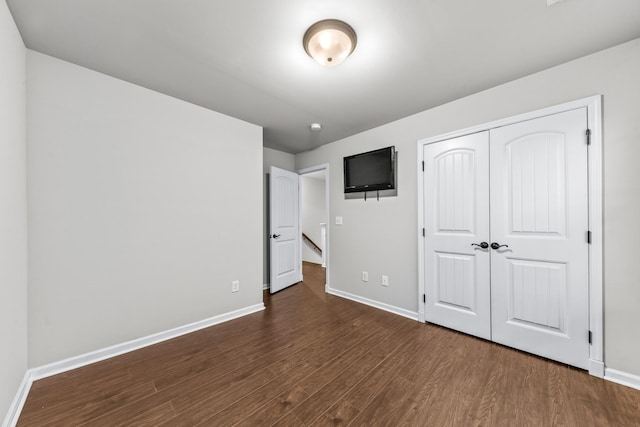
{"type": "Point", "coordinates": [370, 171]}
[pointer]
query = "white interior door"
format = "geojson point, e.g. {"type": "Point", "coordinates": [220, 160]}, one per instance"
{"type": "Point", "coordinates": [284, 235]}
{"type": "Point", "coordinates": [457, 282]}
{"type": "Point", "coordinates": [539, 208]}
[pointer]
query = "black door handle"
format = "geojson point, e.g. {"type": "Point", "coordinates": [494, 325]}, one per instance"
{"type": "Point", "coordinates": [483, 245]}
{"type": "Point", "coordinates": [495, 245]}
{"type": "Point", "coordinates": [275, 236]}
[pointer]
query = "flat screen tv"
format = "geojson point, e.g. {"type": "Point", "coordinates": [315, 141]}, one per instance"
{"type": "Point", "coordinates": [370, 171]}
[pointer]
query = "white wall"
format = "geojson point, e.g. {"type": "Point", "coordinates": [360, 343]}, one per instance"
{"type": "Point", "coordinates": [313, 209]}
{"type": "Point", "coordinates": [142, 208]}
{"type": "Point", "coordinates": [281, 160]}
{"type": "Point", "coordinates": [13, 210]}
{"type": "Point", "coordinates": [381, 237]}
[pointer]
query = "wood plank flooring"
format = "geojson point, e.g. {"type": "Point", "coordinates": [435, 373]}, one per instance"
{"type": "Point", "coordinates": [314, 359]}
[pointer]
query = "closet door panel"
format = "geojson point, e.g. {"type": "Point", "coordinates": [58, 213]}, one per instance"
{"type": "Point", "coordinates": [456, 183]}
{"type": "Point", "coordinates": [539, 212]}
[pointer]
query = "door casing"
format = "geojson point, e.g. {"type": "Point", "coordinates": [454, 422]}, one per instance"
{"type": "Point", "coordinates": [594, 123]}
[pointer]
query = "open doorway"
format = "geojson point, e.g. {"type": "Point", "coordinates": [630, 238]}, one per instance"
{"type": "Point", "coordinates": [314, 215]}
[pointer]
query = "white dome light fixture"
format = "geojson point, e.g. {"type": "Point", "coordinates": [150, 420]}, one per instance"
{"type": "Point", "coordinates": [329, 41]}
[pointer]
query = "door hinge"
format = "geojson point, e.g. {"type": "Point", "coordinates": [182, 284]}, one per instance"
{"type": "Point", "coordinates": [424, 298]}
{"type": "Point", "coordinates": [588, 133]}
{"type": "Point", "coordinates": [590, 337]}
{"type": "Point", "coordinates": [423, 166]}
{"type": "Point", "coordinates": [589, 237]}
{"type": "Point", "coordinates": [423, 232]}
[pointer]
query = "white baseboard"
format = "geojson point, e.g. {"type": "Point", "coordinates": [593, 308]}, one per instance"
{"type": "Point", "coordinates": [265, 286]}
{"type": "Point", "coordinates": [11, 419]}
{"type": "Point", "coordinates": [623, 378]}
{"type": "Point", "coordinates": [54, 368]}
{"type": "Point", "coordinates": [377, 304]}
{"type": "Point", "coordinates": [138, 343]}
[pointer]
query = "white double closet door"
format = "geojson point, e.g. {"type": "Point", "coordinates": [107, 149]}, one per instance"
{"type": "Point", "coordinates": [524, 188]}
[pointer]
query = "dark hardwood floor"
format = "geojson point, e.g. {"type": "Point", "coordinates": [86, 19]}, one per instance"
{"type": "Point", "coordinates": [314, 359]}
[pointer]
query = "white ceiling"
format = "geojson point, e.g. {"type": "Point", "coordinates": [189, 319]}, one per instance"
{"type": "Point", "coordinates": [245, 58]}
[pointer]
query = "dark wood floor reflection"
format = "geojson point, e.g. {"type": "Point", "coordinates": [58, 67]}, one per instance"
{"type": "Point", "coordinates": [314, 359]}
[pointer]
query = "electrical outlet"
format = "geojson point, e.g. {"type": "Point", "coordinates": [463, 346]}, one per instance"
{"type": "Point", "coordinates": [385, 280]}
{"type": "Point", "coordinates": [235, 286]}
{"type": "Point", "coordinates": [365, 276]}
{"type": "Point", "coordinates": [338, 220]}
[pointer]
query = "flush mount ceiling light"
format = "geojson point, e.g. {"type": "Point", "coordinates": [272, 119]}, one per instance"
{"type": "Point", "coordinates": [330, 41]}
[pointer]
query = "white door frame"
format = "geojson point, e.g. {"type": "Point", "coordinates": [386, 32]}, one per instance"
{"type": "Point", "coordinates": [594, 120]}
{"type": "Point", "coordinates": [323, 167]}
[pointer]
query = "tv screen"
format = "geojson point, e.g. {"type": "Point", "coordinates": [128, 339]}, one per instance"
{"type": "Point", "coordinates": [370, 171]}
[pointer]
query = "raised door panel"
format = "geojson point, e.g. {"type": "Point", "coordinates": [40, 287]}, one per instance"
{"type": "Point", "coordinates": [456, 282]}
{"type": "Point", "coordinates": [455, 190]}
{"type": "Point", "coordinates": [286, 189]}
{"type": "Point", "coordinates": [536, 184]}
{"type": "Point", "coordinates": [538, 295]}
